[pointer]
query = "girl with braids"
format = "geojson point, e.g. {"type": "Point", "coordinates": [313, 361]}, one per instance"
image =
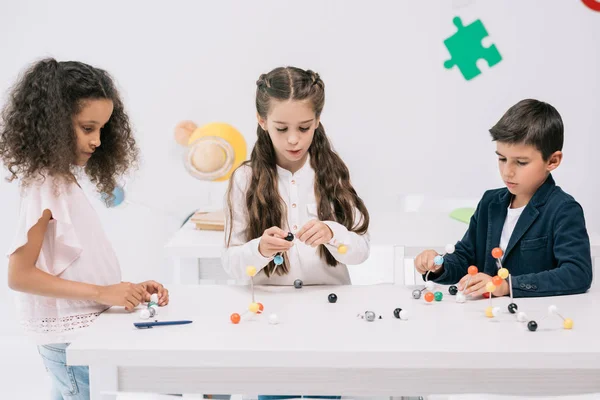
{"type": "Point", "coordinates": [294, 182]}
{"type": "Point", "coordinates": [63, 119]}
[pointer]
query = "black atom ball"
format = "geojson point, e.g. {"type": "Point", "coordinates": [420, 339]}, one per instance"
{"type": "Point", "coordinates": [298, 284]}
{"type": "Point", "coordinates": [512, 308]}
{"type": "Point", "coordinates": [397, 312]}
{"type": "Point", "coordinates": [332, 297]}
{"type": "Point", "coordinates": [453, 290]}
{"type": "Point", "coordinates": [532, 326]}
{"type": "Point", "coordinates": [289, 237]}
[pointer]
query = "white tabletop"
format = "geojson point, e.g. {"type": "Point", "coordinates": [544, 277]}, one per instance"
{"type": "Point", "coordinates": [322, 348]}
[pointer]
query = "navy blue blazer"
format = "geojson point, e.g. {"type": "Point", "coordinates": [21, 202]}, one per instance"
{"type": "Point", "coordinates": [548, 253]}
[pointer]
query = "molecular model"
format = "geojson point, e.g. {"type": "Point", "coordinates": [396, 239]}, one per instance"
{"type": "Point", "coordinates": [504, 274]}
{"type": "Point", "coordinates": [254, 307]}
{"type": "Point", "coordinates": [430, 285]}
{"type": "Point", "coordinates": [460, 295]}
{"type": "Point", "coordinates": [152, 310]}
{"type": "Point", "coordinates": [552, 310]}
{"type": "Point", "coordinates": [278, 259]}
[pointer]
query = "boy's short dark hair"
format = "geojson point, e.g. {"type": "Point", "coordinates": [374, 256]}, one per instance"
{"type": "Point", "coordinates": [531, 122]}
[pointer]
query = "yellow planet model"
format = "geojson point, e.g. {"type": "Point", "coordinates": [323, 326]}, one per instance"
{"type": "Point", "coordinates": [214, 151]}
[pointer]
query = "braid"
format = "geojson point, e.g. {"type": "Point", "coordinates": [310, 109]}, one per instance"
{"type": "Point", "coordinates": [263, 82]}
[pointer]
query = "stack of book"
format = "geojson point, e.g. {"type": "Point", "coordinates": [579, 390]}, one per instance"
{"type": "Point", "coordinates": [209, 221]}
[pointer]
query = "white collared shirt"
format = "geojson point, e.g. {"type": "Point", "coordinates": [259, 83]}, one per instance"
{"type": "Point", "coordinates": [305, 263]}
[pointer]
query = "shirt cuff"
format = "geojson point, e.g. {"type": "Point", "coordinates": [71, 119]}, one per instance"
{"type": "Point", "coordinates": [341, 235]}
{"type": "Point", "coordinates": [523, 283]}
{"type": "Point", "coordinates": [258, 259]}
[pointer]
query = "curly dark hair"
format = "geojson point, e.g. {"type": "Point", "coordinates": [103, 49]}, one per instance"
{"type": "Point", "coordinates": [37, 136]}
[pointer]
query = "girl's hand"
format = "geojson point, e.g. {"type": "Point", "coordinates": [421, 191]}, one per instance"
{"type": "Point", "coordinates": [315, 233]}
{"type": "Point", "coordinates": [151, 287]}
{"type": "Point", "coordinates": [273, 241]}
{"type": "Point", "coordinates": [124, 294]}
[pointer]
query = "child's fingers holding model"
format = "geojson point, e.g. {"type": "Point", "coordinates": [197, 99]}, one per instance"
{"type": "Point", "coordinates": [151, 287]}
{"type": "Point", "coordinates": [124, 294]}
{"type": "Point", "coordinates": [425, 261]}
{"type": "Point", "coordinates": [272, 242]}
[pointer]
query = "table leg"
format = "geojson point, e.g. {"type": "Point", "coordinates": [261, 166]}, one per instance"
{"type": "Point", "coordinates": [104, 383]}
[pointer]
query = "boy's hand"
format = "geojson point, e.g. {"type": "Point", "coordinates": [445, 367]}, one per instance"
{"type": "Point", "coordinates": [151, 287]}
{"type": "Point", "coordinates": [424, 262]}
{"type": "Point", "coordinates": [273, 241]}
{"type": "Point", "coordinates": [477, 285]}
{"type": "Point", "coordinates": [315, 233]}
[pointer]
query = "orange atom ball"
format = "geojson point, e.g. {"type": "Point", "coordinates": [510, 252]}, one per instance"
{"type": "Point", "coordinates": [497, 252]}
{"type": "Point", "coordinates": [429, 297]}
{"type": "Point", "coordinates": [497, 281]}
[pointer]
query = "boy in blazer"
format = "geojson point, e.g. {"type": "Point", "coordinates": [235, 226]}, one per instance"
{"type": "Point", "coordinates": [540, 228]}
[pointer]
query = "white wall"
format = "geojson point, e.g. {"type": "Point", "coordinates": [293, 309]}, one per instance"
{"type": "Point", "coordinates": [402, 122]}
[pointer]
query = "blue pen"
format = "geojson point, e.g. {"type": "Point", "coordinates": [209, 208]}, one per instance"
{"type": "Point", "coordinates": [148, 325]}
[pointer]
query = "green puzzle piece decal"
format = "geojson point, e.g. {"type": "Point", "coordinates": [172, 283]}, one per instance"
{"type": "Point", "coordinates": [465, 48]}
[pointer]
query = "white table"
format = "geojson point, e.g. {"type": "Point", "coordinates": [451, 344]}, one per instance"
{"type": "Point", "coordinates": [324, 349]}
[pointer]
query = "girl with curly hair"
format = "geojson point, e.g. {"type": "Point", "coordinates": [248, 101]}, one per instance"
{"type": "Point", "coordinates": [62, 119]}
{"type": "Point", "coordinates": [293, 183]}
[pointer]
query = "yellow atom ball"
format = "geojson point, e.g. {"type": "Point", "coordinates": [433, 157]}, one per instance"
{"type": "Point", "coordinates": [254, 307]}
{"type": "Point", "coordinates": [490, 287]}
{"type": "Point", "coordinates": [250, 270]}
{"type": "Point", "coordinates": [489, 313]}
{"type": "Point", "coordinates": [568, 323]}
{"type": "Point", "coordinates": [342, 249]}
{"type": "Point", "coordinates": [503, 273]}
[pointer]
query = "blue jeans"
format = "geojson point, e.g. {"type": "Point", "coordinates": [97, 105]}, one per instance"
{"type": "Point", "coordinates": [269, 397]}
{"type": "Point", "coordinates": [68, 383]}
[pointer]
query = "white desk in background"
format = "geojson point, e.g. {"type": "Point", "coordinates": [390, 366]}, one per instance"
{"type": "Point", "coordinates": [395, 236]}
{"type": "Point", "coordinates": [325, 349]}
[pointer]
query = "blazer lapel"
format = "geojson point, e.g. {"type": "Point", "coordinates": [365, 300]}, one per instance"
{"type": "Point", "coordinates": [530, 213]}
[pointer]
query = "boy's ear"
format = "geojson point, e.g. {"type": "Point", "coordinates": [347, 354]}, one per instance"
{"type": "Point", "coordinates": [261, 122]}
{"type": "Point", "coordinates": [554, 161]}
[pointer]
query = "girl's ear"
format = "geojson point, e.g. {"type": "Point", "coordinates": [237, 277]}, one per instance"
{"type": "Point", "coordinates": [261, 122]}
